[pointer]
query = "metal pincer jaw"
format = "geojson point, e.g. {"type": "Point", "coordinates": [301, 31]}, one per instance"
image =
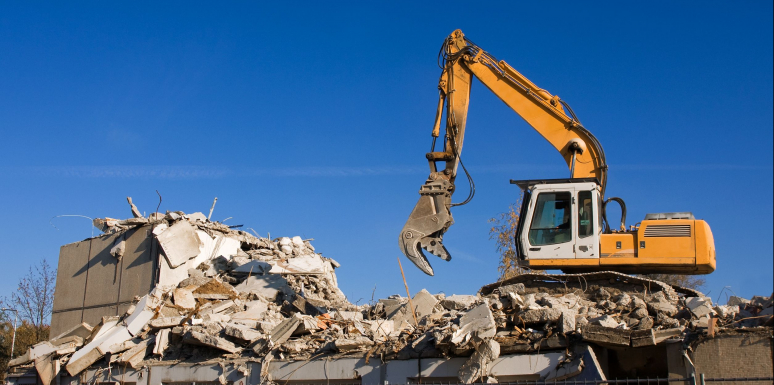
{"type": "Point", "coordinates": [427, 224]}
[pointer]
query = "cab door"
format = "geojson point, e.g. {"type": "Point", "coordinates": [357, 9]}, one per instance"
{"type": "Point", "coordinates": [552, 225]}
{"type": "Point", "coordinates": [587, 239]}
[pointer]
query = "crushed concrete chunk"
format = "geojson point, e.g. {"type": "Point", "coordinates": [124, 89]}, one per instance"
{"type": "Point", "coordinates": [180, 243]}
{"type": "Point", "coordinates": [737, 301]}
{"type": "Point", "coordinates": [184, 298]}
{"type": "Point", "coordinates": [458, 302]}
{"type": "Point", "coordinates": [540, 316]}
{"type": "Point", "coordinates": [267, 286]}
{"type": "Point", "coordinates": [605, 321]}
{"type": "Point", "coordinates": [162, 341]}
{"type": "Point", "coordinates": [478, 322]}
{"type": "Point", "coordinates": [254, 311]}
{"type": "Point", "coordinates": [479, 364]}
{"type": "Point", "coordinates": [242, 332]}
{"type": "Point", "coordinates": [197, 338]}
{"type": "Point", "coordinates": [643, 338]}
{"type": "Point", "coordinates": [353, 343]}
{"type": "Point", "coordinates": [278, 335]}
{"type": "Point", "coordinates": [135, 355]}
{"type": "Point", "coordinates": [699, 306]}
{"type": "Point", "coordinates": [605, 335]}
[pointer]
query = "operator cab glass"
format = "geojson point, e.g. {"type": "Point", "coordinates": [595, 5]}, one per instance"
{"type": "Point", "coordinates": [585, 214]}
{"type": "Point", "coordinates": [552, 220]}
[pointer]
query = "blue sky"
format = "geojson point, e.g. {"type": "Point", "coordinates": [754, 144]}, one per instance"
{"type": "Point", "coordinates": [313, 119]}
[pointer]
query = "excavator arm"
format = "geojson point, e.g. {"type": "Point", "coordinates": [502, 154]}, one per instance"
{"type": "Point", "coordinates": [462, 60]}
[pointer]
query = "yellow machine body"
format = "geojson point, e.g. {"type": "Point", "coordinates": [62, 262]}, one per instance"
{"type": "Point", "coordinates": [680, 246]}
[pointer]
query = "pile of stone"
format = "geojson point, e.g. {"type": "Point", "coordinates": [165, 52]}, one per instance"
{"type": "Point", "coordinates": [224, 294]}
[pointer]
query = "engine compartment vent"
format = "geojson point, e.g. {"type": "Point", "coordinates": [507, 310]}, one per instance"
{"type": "Point", "coordinates": [662, 216]}
{"type": "Point", "coordinates": [668, 231]}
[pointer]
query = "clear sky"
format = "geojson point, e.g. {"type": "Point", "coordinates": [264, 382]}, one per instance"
{"type": "Point", "coordinates": [313, 119]}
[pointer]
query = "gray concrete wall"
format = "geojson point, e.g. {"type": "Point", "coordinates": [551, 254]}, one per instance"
{"type": "Point", "coordinates": [91, 283]}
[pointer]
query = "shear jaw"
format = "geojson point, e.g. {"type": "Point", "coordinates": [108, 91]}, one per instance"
{"type": "Point", "coordinates": [427, 224]}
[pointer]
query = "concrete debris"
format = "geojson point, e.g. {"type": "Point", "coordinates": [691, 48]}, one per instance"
{"type": "Point", "coordinates": [223, 293]}
{"type": "Point", "coordinates": [477, 323]}
{"type": "Point", "coordinates": [162, 341]}
{"type": "Point", "coordinates": [352, 344]}
{"type": "Point", "coordinates": [199, 338]}
{"type": "Point", "coordinates": [478, 365]}
{"type": "Point", "coordinates": [458, 302]}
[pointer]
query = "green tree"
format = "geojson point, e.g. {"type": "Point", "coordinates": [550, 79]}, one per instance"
{"type": "Point", "coordinates": [34, 300]}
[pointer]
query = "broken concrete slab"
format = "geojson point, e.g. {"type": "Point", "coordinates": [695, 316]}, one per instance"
{"type": "Point", "coordinates": [699, 306]}
{"type": "Point", "coordinates": [479, 364]}
{"type": "Point", "coordinates": [254, 311]}
{"type": "Point", "coordinates": [278, 335]}
{"type": "Point", "coordinates": [197, 338]}
{"type": "Point", "coordinates": [477, 323]}
{"type": "Point", "coordinates": [97, 348]}
{"type": "Point", "coordinates": [737, 301]}
{"type": "Point", "coordinates": [643, 338]}
{"type": "Point", "coordinates": [46, 369]}
{"type": "Point", "coordinates": [82, 330]}
{"type": "Point", "coordinates": [161, 343]}
{"type": "Point", "coordinates": [253, 267]}
{"type": "Point", "coordinates": [301, 265]}
{"type": "Point", "coordinates": [180, 242]}
{"type": "Point", "coordinates": [458, 302]}
{"type": "Point", "coordinates": [267, 286]}
{"type": "Point", "coordinates": [134, 356]}
{"type": "Point", "coordinates": [184, 298]}
{"type": "Point", "coordinates": [604, 335]}
{"type": "Point", "coordinates": [606, 321]}
{"type": "Point", "coordinates": [350, 344]}
{"type": "Point", "coordinates": [567, 322]}
{"type": "Point", "coordinates": [539, 316]}
{"type": "Point", "coordinates": [166, 322]}
{"type": "Point", "coordinates": [242, 332]}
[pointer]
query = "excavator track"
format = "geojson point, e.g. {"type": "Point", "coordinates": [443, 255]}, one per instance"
{"type": "Point", "coordinates": [586, 281]}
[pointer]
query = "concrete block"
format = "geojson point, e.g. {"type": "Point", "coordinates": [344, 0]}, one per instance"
{"type": "Point", "coordinates": [478, 322]}
{"type": "Point", "coordinates": [643, 338]}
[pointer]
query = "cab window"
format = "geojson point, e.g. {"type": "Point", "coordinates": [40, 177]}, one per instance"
{"type": "Point", "coordinates": [585, 214]}
{"type": "Point", "coordinates": [551, 222]}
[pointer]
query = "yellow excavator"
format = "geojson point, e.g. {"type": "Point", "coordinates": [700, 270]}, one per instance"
{"type": "Point", "coordinates": [562, 222]}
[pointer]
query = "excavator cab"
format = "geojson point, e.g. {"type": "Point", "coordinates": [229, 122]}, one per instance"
{"type": "Point", "coordinates": [562, 226]}
{"type": "Point", "coordinates": [560, 219]}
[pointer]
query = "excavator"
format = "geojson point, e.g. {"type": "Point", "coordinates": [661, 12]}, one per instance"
{"type": "Point", "coordinates": [562, 223]}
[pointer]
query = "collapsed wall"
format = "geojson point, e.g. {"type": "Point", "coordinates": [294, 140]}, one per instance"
{"type": "Point", "coordinates": [213, 294]}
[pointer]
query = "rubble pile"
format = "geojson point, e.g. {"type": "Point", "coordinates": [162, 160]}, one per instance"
{"type": "Point", "coordinates": [224, 294]}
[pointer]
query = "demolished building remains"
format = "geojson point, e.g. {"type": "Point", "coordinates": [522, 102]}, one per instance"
{"type": "Point", "coordinates": [175, 297]}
